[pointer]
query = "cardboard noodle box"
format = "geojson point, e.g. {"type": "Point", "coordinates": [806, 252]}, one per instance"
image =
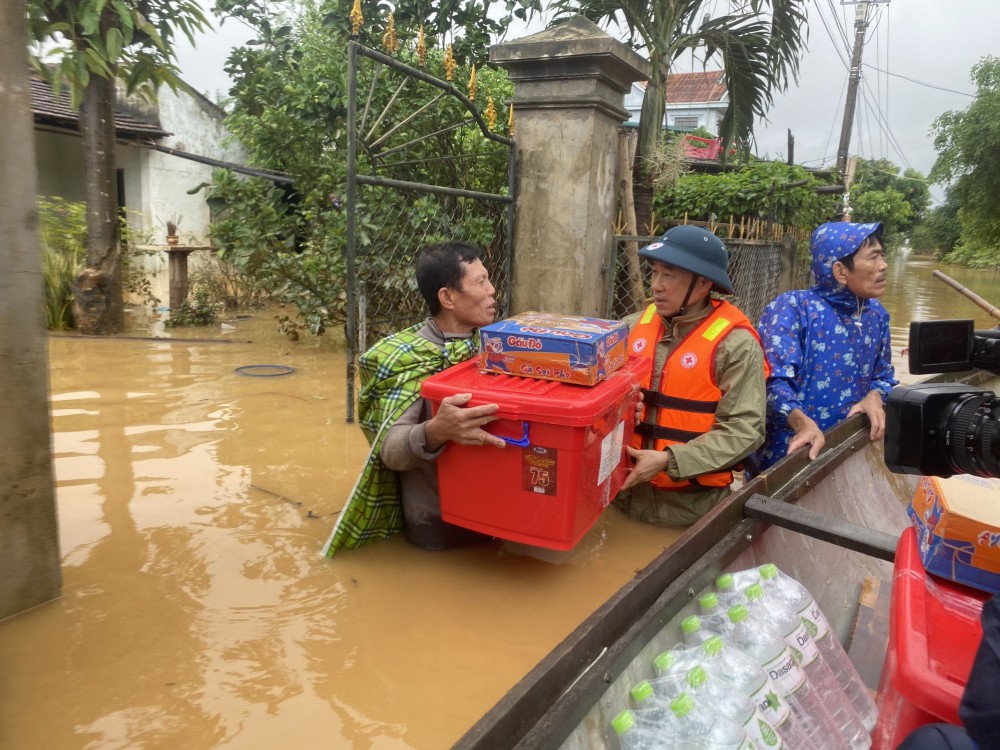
{"type": "Point", "coordinates": [563, 463]}
{"type": "Point", "coordinates": [957, 521]}
{"type": "Point", "coordinates": [567, 349]}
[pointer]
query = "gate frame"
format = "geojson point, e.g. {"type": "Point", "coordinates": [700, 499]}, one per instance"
{"type": "Point", "coordinates": [354, 49]}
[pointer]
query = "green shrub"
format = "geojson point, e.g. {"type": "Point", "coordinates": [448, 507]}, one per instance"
{"type": "Point", "coordinates": [63, 234]}
{"type": "Point", "coordinates": [197, 312]}
{"type": "Point", "coordinates": [768, 191]}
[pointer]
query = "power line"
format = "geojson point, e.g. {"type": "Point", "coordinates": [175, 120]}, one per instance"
{"type": "Point", "coordinates": [840, 26]}
{"type": "Point", "coordinates": [833, 122]}
{"type": "Point", "coordinates": [836, 46]}
{"type": "Point", "coordinates": [878, 79]}
{"type": "Point", "coordinates": [885, 127]}
{"type": "Point", "coordinates": [868, 124]}
{"type": "Point", "coordinates": [887, 38]}
{"type": "Point", "coordinates": [921, 83]}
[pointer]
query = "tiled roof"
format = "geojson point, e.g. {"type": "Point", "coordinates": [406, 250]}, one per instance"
{"type": "Point", "coordinates": [709, 86]}
{"type": "Point", "coordinates": [56, 111]}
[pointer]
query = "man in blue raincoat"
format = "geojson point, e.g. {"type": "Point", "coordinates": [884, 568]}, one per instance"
{"type": "Point", "coordinates": [829, 345]}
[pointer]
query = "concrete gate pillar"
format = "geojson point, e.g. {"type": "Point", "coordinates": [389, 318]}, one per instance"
{"type": "Point", "coordinates": [569, 87]}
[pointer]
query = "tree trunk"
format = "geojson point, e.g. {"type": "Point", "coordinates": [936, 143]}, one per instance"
{"type": "Point", "coordinates": [98, 304]}
{"type": "Point", "coordinates": [634, 286]}
{"type": "Point", "coordinates": [650, 132]}
{"type": "Point", "coordinates": [642, 196]}
{"type": "Point", "coordinates": [29, 539]}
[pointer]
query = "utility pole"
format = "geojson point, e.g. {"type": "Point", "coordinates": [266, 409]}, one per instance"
{"type": "Point", "coordinates": [860, 26]}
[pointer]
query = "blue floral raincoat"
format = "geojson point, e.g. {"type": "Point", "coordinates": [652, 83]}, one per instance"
{"type": "Point", "coordinates": [827, 347]}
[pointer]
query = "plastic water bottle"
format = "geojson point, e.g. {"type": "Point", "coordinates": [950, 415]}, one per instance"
{"type": "Point", "coordinates": [810, 661]}
{"type": "Point", "coordinates": [743, 578]}
{"type": "Point", "coordinates": [674, 660]}
{"type": "Point", "coordinates": [763, 642]}
{"type": "Point", "coordinates": [798, 598]}
{"type": "Point", "coordinates": [706, 728]}
{"type": "Point", "coordinates": [734, 705]}
{"type": "Point", "coordinates": [743, 673]}
{"type": "Point", "coordinates": [713, 614]}
{"type": "Point", "coordinates": [633, 735]}
{"type": "Point", "coordinates": [727, 592]}
{"type": "Point", "coordinates": [650, 707]}
{"type": "Point", "coordinates": [694, 634]}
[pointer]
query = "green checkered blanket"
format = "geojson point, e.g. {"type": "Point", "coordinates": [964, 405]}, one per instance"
{"type": "Point", "coordinates": [391, 374]}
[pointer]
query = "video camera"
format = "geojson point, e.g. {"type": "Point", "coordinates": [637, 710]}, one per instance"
{"type": "Point", "coordinates": [941, 429]}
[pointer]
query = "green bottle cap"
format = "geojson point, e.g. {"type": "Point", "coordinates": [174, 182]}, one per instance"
{"type": "Point", "coordinates": [641, 692]}
{"type": "Point", "coordinates": [623, 722]}
{"type": "Point", "coordinates": [754, 591]}
{"type": "Point", "coordinates": [725, 582]}
{"type": "Point", "coordinates": [696, 677]}
{"type": "Point", "coordinates": [768, 571]}
{"type": "Point", "coordinates": [664, 661]}
{"type": "Point", "coordinates": [737, 613]}
{"type": "Point", "coordinates": [713, 646]}
{"type": "Point", "coordinates": [682, 705]}
{"type": "Point", "coordinates": [691, 624]}
{"type": "Point", "coordinates": [708, 602]}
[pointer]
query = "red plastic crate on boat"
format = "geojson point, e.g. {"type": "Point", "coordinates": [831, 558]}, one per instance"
{"type": "Point", "coordinates": [934, 632]}
{"type": "Point", "coordinates": [565, 464]}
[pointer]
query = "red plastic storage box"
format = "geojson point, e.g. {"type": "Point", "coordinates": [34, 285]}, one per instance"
{"type": "Point", "coordinates": [934, 632]}
{"type": "Point", "coordinates": [564, 461]}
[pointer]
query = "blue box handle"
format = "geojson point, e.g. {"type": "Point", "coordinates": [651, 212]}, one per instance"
{"type": "Point", "coordinates": [522, 441]}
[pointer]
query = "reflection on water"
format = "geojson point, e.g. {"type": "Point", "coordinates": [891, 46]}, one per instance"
{"type": "Point", "coordinates": [197, 611]}
{"type": "Point", "coordinates": [913, 293]}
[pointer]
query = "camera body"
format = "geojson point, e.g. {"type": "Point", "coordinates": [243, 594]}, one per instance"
{"type": "Point", "coordinates": [942, 429]}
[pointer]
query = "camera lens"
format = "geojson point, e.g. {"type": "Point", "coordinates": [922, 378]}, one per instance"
{"type": "Point", "coordinates": [970, 435]}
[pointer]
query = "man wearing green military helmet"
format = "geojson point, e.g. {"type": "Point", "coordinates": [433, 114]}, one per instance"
{"type": "Point", "coordinates": [703, 403]}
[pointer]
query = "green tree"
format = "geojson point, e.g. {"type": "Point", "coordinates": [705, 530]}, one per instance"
{"type": "Point", "coordinates": [288, 108]}
{"type": "Point", "coordinates": [968, 146]}
{"type": "Point", "coordinates": [86, 46]}
{"type": "Point", "coordinates": [888, 206]}
{"type": "Point", "coordinates": [759, 43]}
{"type": "Point", "coordinates": [889, 185]}
{"type": "Point", "coordinates": [939, 232]}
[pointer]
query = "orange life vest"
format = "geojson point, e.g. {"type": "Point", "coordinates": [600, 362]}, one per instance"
{"type": "Point", "coordinates": [687, 394]}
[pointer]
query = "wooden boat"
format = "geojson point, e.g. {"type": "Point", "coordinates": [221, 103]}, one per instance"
{"type": "Point", "coordinates": [832, 523]}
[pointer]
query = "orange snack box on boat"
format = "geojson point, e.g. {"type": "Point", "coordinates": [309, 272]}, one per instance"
{"type": "Point", "coordinates": [957, 521]}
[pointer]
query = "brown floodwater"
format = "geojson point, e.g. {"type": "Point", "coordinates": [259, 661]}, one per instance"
{"type": "Point", "coordinates": [197, 611]}
{"type": "Point", "coordinates": [913, 293]}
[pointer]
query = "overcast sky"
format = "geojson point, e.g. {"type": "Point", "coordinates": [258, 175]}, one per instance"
{"type": "Point", "coordinates": [933, 42]}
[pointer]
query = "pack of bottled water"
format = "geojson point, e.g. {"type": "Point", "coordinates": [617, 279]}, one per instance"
{"type": "Point", "coordinates": [759, 669]}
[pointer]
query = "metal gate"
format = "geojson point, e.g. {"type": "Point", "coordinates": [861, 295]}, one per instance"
{"type": "Point", "coordinates": [411, 140]}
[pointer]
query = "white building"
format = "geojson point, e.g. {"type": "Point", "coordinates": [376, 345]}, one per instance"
{"type": "Point", "coordinates": [152, 186]}
{"type": "Point", "coordinates": [694, 100]}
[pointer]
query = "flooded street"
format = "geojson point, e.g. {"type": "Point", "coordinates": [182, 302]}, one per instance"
{"type": "Point", "coordinates": [915, 294]}
{"type": "Point", "coordinates": [197, 611]}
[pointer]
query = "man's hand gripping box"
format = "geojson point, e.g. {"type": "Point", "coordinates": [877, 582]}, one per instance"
{"type": "Point", "coordinates": [564, 348]}
{"type": "Point", "coordinates": [957, 521]}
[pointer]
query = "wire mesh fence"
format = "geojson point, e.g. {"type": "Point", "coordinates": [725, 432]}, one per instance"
{"type": "Point", "coordinates": [387, 297]}
{"type": "Point", "coordinates": [760, 267]}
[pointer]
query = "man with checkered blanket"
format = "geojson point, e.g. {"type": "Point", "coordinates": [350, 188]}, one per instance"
{"type": "Point", "coordinates": [397, 489]}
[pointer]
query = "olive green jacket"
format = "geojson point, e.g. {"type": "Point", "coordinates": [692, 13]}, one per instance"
{"type": "Point", "coordinates": [738, 430]}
